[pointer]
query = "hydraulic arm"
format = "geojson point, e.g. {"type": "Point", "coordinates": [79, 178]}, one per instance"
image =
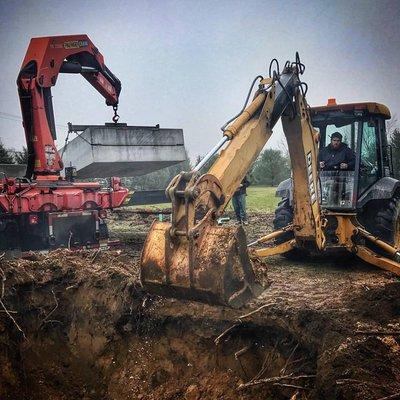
{"type": "Point", "coordinates": [45, 59]}
{"type": "Point", "coordinates": [192, 257]}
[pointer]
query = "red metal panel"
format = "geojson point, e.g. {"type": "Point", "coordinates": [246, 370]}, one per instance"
{"type": "Point", "coordinates": [24, 198]}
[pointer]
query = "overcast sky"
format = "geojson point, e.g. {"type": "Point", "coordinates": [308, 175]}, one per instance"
{"type": "Point", "coordinates": [189, 64]}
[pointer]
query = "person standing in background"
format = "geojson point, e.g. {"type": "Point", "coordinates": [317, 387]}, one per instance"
{"type": "Point", "coordinates": [239, 201]}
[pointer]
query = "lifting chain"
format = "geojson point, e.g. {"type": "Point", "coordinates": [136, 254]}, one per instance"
{"type": "Point", "coordinates": [115, 118]}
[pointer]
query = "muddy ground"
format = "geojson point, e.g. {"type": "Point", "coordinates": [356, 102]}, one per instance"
{"type": "Point", "coordinates": [79, 326]}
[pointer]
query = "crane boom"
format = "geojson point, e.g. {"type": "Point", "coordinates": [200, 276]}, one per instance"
{"type": "Point", "coordinates": [45, 59]}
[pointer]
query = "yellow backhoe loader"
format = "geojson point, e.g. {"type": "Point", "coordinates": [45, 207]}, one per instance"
{"type": "Point", "coordinates": [192, 257]}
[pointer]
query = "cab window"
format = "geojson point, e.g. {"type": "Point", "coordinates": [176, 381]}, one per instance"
{"type": "Point", "coordinates": [348, 132]}
{"type": "Point", "coordinates": [369, 161]}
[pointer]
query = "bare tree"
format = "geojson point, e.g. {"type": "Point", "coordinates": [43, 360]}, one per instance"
{"type": "Point", "coordinates": [5, 156]}
{"type": "Point", "coordinates": [21, 157]}
{"type": "Point", "coordinates": [394, 139]}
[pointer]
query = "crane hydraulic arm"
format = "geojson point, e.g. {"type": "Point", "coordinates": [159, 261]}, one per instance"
{"type": "Point", "coordinates": [46, 57]}
{"type": "Point", "coordinates": [193, 257]}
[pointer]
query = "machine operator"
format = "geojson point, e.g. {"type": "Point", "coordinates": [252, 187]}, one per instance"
{"type": "Point", "coordinates": [337, 155]}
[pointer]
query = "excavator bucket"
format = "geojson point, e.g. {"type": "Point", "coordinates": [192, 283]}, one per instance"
{"type": "Point", "coordinates": [212, 268]}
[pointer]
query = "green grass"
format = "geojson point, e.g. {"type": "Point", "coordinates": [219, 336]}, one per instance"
{"type": "Point", "coordinates": [161, 206]}
{"type": "Point", "coordinates": [262, 198]}
{"type": "Point", "coordinates": [259, 198]}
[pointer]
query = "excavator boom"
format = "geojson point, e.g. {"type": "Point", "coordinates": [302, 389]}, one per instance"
{"type": "Point", "coordinates": [192, 257]}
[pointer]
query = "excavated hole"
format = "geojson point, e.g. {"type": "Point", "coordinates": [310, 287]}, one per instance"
{"type": "Point", "coordinates": [98, 336]}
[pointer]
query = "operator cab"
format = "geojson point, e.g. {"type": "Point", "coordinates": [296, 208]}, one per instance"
{"type": "Point", "coordinates": [362, 126]}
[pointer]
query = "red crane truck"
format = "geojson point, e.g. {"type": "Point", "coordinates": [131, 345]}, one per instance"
{"type": "Point", "coordinates": [43, 210]}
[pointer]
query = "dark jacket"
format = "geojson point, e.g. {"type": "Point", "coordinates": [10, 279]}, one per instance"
{"type": "Point", "coordinates": [242, 189]}
{"type": "Point", "coordinates": [333, 158]}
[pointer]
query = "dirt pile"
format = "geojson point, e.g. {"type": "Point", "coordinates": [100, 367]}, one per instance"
{"type": "Point", "coordinates": [78, 325]}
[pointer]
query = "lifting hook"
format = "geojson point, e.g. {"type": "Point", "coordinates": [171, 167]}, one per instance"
{"type": "Point", "coordinates": [115, 118]}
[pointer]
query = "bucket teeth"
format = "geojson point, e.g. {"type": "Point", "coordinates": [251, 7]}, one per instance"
{"type": "Point", "coordinates": [213, 268]}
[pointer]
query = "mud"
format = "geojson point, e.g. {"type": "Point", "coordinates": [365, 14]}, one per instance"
{"type": "Point", "coordinates": [79, 326]}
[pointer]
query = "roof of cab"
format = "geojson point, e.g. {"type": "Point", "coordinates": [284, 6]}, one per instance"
{"type": "Point", "coordinates": [372, 108]}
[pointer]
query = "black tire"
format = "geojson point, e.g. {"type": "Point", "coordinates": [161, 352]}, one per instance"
{"type": "Point", "coordinates": [283, 217]}
{"type": "Point", "coordinates": [382, 219]}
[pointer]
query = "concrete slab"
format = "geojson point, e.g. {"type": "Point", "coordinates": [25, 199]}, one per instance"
{"type": "Point", "coordinates": [101, 151]}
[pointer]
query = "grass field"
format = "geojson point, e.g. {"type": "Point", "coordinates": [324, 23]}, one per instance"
{"type": "Point", "coordinates": [259, 198]}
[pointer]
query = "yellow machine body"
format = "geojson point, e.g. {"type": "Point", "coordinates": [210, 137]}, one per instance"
{"type": "Point", "coordinates": [193, 258]}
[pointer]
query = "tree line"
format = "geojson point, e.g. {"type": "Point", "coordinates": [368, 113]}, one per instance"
{"type": "Point", "coordinates": [395, 145]}
{"type": "Point", "coordinates": [8, 156]}
{"type": "Point", "coordinates": [270, 168]}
